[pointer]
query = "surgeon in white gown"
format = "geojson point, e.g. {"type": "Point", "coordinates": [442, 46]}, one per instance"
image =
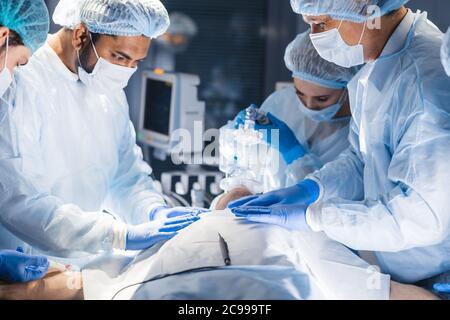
{"type": "Point", "coordinates": [388, 192]}
{"type": "Point", "coordinates": [445, 52]}
{"type": "Point", "coordinates": [74, 184]}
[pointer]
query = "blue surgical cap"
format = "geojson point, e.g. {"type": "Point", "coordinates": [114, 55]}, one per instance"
{"type": "Point", "coordinates": [29, 18]}
{"type": "Point", "coordinates": [125, 17]}
{"type": "Point", "coordinates": [445, 52]}
{"type": "Point", "coordinates": [352, 10]}
{"type": "Point", "coordinates": [306, 64]}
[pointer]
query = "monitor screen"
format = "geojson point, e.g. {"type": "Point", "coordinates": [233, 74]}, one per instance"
{"type": "Point", "coordinates": [158, 101]}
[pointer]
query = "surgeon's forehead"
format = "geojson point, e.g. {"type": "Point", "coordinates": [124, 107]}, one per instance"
{"type": "Point", "coordinates": [316, 19]}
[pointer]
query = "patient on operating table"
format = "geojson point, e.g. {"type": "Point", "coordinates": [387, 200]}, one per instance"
{"type": "Point", "coordinates": [197, 246]}
{"type": "Point", "coordinates": [69, 286]}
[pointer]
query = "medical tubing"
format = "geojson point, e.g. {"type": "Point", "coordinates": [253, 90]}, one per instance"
{"type": "Point", "coordinates": [208, 199]}
{"type": "Point", "coordinates": [162, 276]}
{"type": "Point", "coordinates": [179, 199]}
{"type": "Point", "coordinates": [170, 202]}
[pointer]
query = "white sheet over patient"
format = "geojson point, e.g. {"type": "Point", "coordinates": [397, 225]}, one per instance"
{"type": "Point", "coordinates": [313, 266]}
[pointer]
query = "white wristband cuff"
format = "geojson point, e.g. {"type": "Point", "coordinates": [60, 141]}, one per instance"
{"type": "Point", "coordinates": [313, 216]}
{"type": "Point", "coordinates": [119, 235]}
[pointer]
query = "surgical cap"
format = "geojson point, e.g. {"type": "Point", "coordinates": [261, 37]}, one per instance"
{"type": "Point", "coordinates": [182, 24]}
{"type": "Point", "coordinates": [29, 18]}
{"type": "Point", "coordinates": [306, 64]}
{"type": "Point", "coordinates": [67, 13]}
{"type": "Point", "coordinates": [445, 52]}
{"type": "Point", "coordinates": [352, 10]}
{"type": "Point", "coordinates": [125, 17]}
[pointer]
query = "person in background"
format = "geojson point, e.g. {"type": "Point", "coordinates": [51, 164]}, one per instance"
{"type": "Point", "coordinates": [162, 55]}
{"type": "Point", "coordinates": [312, 117]}
{"type": "Point", "coordinates": [175, 41]}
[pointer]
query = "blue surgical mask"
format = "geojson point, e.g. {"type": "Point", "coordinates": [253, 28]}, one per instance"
{"type": "Point", "coordinates": [326, 114]}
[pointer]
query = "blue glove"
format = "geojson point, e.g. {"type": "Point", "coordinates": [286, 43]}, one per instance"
{"type": "Point", "coordinates": [164, 212]}
{"type": "Point", "coordinates": [239, 119]}
{"type": "Point", "coordinates": [291, 217]}
{"type": "Point", "coordinates": [16, 266]}
{"type": "Point", "coordinates": [146, 235]}
{"type": "Point", "coordinates": [442, 287]}
{"type": "Point", "coordinates": [288, 145]}
{"type": "Point", "coordinates": [303, 193]}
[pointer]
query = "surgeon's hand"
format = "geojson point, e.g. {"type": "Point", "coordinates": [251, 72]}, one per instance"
{"type": "Point", "coordinates": [303, 193]}
{"type": "Point", "coordinates": [146, 235]}
{"type": "Point", "coordinates": [291, 217]}
{"type": "Point", "coordinates": [239, 119]}
{"type": "Point", "coordinates": [165, 212]}
{"type": "Point", "coordinates": [442, 287]}
{"type": "Point", "coordinates": [288, 145]}
{"type": "Point", "coordinates": [16, 266]}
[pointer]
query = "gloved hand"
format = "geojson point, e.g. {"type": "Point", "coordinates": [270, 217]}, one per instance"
{"type": "Point", "coordinates": [442, 287]}
{"type": "Point", "coordinates": [146, 235]}
{"type": "Point", "coordinates": [239, 119]}
{"type": "Point", "coordinates": [291, 217]}
{"type": "Point", "coordinates": [304, 193]}
{"type": "Point", "coordinates": [165, 212]}
{"type": "Point", "coordinates": [288, 145]}
{"type": "Point", "coordinates": [16, 266]}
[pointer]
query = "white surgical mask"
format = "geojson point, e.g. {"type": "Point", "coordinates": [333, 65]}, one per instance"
{"type": "Point", "coordinates": [326, 114]}
{"type": "Point", "coordinates": [6, 78]}
{"type": "Point", "coordinates": [106, 76]}
{"type": "Point", "coordinates": [332, 47]}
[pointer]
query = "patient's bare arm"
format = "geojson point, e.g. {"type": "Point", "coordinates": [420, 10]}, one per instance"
{"type": "Point", "coordinates": [68, 286]}
{"type": "Point", "coordinates": [54, 286]}
{"type": "Point", "coordinates": [235, 194]}
{"type": "Point", "coordinates": [401, 291]}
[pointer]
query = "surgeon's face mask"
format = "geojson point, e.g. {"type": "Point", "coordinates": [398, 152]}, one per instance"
{"type": "Point", "coordinates": [6, 78]}
{"type": "Point", "coordinates": [326, 114]}
{"type": "Point", "coordinates": [332, 47]}
{"type": "Point", "coordinates": [106, 76]}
